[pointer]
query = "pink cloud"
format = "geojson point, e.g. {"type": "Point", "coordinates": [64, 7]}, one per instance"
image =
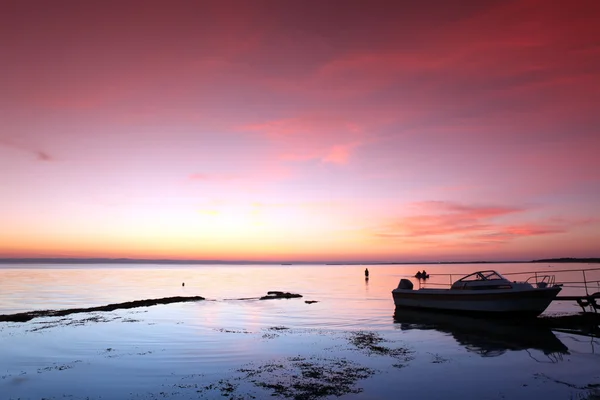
{"type": "Point", "coordinates": [340, 154]}
{"type": "Point", "coordinates": [468, 225]}
{"type": "Point", "coordinates": [532, 230]}
{"type": "Point", "coordinates": [504, 234]}
{"type": "Point", "coordinates": [444, 218]}
{"type": "Point", "coordinates": [469, 66]}
{"type": "Point", "coordinates": [328, 138]}
{"type": "Point", "coordinates": [436, 225]}
{"type": "Point", "coordinates": [40, 155]}
{"type": "Point", "coordinates": [212, 177]}
{"type": "Point", "coordinates": [312, 125]}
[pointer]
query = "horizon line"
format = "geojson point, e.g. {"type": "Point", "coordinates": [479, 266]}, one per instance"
{"type": "Point", "coordinates": [126, 260]}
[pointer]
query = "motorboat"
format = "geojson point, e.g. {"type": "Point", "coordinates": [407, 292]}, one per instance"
{"type": "Point", "coordinates": [483, 292]}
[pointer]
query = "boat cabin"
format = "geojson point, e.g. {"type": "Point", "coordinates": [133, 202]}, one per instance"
{"type": "Point", "coordinates": [482, 280]}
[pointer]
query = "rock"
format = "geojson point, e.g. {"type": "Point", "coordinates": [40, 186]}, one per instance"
{"type": "Point", "coordinates": [280, 295]}
{"type": "Point", "coordinates": [26, 316]}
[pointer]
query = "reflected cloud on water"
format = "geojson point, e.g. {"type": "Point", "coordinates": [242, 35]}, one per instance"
{"type": "Point", "coordinates": [486, 337]}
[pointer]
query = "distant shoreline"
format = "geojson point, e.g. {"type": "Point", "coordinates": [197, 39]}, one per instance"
{"type": "Point", "coordinates": [68, 260]}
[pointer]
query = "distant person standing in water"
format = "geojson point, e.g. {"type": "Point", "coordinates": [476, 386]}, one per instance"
{"type": "Point", "coordinates": [367, 273]}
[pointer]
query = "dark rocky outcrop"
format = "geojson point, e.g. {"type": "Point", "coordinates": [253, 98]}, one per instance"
{"type": "Point", "coordinates": [280, 295]}
{"type": "Point", "coordinates": [26, 316]}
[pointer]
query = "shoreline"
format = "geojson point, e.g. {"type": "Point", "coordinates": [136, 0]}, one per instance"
{"type": "Point", "coordinates": [584, 323]}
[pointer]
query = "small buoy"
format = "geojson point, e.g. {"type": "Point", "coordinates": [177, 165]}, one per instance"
{"type": "Point", "coordinates": [183, 284]}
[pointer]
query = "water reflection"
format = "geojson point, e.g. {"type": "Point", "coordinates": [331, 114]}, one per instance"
{"type": "Point", "coordinates": [488, 338]}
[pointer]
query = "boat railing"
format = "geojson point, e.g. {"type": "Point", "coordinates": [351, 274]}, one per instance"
{"type": "Point", "coordinates": [570, 281]}
{"type": "Point", "coordinates": [567, 278]}
{"type": "Point", "coordinates": [541, 280]}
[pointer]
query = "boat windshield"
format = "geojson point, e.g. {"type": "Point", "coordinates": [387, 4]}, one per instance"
{"type": "Point", "coordinates": [482, 276]}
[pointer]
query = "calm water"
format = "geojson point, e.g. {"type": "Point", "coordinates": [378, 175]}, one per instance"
{"type": "Point", "coordinates": [205, 349]}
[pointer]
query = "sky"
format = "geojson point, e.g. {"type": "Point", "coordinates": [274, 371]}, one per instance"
{"type": "Point", "coordinates": [300, 130]}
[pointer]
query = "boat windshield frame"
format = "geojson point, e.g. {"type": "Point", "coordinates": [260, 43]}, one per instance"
{"type": "Point", "coordinates": [482, 276]}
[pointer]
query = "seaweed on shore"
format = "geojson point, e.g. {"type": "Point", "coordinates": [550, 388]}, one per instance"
{"type": "Point", "coordinates": [26, 316]}
{"type": "Point", "coordinates": [46, 324]}
{"type": "Point", "coordinates": [369, 342]}
{"type": "Point", "coordinates": [297, 377]}
{"type": "Point", "coordinates": [304, 378]}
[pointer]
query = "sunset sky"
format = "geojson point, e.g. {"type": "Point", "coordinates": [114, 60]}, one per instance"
{"type": "Point", "coordinates": [300, 130]}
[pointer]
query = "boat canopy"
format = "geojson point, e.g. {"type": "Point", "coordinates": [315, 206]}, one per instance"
{"type": "Point", "coordinates": [482, 276]}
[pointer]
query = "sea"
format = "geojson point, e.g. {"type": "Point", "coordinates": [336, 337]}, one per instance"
{"type": "Point", "coordinates": [342, 339]}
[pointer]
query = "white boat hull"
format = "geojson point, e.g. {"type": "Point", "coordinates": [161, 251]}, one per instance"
{"type": "Point", "coordinates": [530, 302]}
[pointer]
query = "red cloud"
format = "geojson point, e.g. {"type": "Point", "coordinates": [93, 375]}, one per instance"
{"type": "Point", "coordinates": [466, 225]}
{"type": "Point", "coordinates": [543, 61]}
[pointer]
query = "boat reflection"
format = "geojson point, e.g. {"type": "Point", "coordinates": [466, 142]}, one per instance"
{"type": "Point", "coordinates": [486, 337]}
